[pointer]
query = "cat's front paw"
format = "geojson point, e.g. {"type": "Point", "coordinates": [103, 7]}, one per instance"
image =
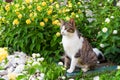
{"type": "Point", "coordinates": [85, 69]}
{"type": "Point", "coordinates": [70, 70]}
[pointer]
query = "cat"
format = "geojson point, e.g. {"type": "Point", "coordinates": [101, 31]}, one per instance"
{"type": "Point", "coordinates": [78, 50]}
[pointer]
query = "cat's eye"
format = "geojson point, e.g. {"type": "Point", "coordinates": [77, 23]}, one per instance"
{"type": "Point", "coordinates": [70, 30]}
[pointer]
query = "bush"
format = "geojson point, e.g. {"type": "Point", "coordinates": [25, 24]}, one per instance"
{"type": "Point", "coordinates": [103, 27]}
{"type": "Point", "coordinates": [34, 26]}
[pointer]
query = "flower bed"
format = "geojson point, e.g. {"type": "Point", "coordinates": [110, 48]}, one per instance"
{"type": "Point", "coordinates": [20, 66]}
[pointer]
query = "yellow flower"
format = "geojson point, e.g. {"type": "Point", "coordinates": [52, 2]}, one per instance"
{"type": "Point", "coordinates": [32, 19]}
{"type": "Point", "coordinates": [17, 12]}
{"type": "Point", "coordinates": [79, 3]}
{"type": "Point", "coordinates": [39, 8]}
{"type": "Point", "coordinates": [43, 3]}
{"type": "Point", "coordinates": [51, 1]}
{"type": "Point", "coordinates": [57, 5]}
{"type": "Point", "coordinates": [23, 7]}
{"type": "Point", "coordinates": [20, 16]}
{"type": "Point", "coordinates": [79, 11]}
{"type": "Point", "coordinates": [64, 10]}
{"type": "Point", "coordinates": [67, 18]}
{"type": "Point", "coordinates": [42, 24]}
{"type": "Point", "coordinates": [7, 7]}
{"type": "Point", "coordinates": [56, 22]}
{"type": "Point", "coordinates": [49, 11]}
{"type": "Point", "coordinates": [28, 1]}
{"type": "Point", "coordinates": [31, 15]}
{"type": "Point", "coordinates": [29, 7]}
{"type": "Point", "coordinates": [12, 76]}
{"type": "Point", "coordinates": [35, 14]}
{"type": "Point", "coordinates": [70, 5]}
{"type": "Point", "coordinates": [36, 0]}
{"type": "Point", "coordinates": [28, 21]}
{"type": "Point", "coordinates": [58, 34]}
{"type": "Point", "coordinates": [15, 22]}
{"type": "Point", "coordinates": [73, 14]}
{"type": "Point", "coordinates": [60, 11]}
{"type": "Point", "coordinates": [51, 7]}
{"type": "Point", "coordinates": [46, 19]}
{"type": "Point", "coordinates": [3, 19]}
{"type": "Point", "coordinates": [3, 53]}
{"type": "Point", "coordinates": [17, 5]}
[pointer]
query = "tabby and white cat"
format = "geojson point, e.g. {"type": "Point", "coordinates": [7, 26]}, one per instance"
{"type": "Point", "coordinates": [77, 49]}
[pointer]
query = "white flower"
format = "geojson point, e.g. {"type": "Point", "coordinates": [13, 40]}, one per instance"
{"type": "Point", "coordinates": [29, 61]}
{"type": "Point", "coordinates": [115, 31]}
{"type": "Point", "coordinates": [40, 78]}
{"type": "Point", "coordinates": [63, 77]}
{"type": "Point", "coordinates": [34, 55]}
{"type": "Point", "coordinates": [118, 4]}
{"type": "Point", "coordinates": [89, 13]}
{"type": "Point", "coordinates": [60, 63]}
{"type": "Point", "coordinates": [28, 65]}
{"type": "Point", "coordinates": [71, 79]}
{"type": "Point", "coordinates": [104, 29]}
{"type": "Point", "coordinates": [107, 20]}
{"type": "Point", "coordinates": [112, 17]}
{"type": "Point", "coordinates": [38, 55]}
{"type": "Point", "coordinates": [102, 45]}
{"type": "Point", "coordinates": [40, 59]}
{"type": "Point", "coordinates": [96, 78]}
{"type": "Point", "coordinates": [118, 67]}
{"type": "Point", "coordinates": [42, 75]}
{"type": "Point", "coordinates": [77, 16]}
{"type": "Point", "coordinates": [35, 63]}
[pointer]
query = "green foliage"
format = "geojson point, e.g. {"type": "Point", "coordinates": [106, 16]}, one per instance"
{"type": "Point", "coordinates": [34, 26]}
{"type": "Point", "coordinates": [106, 28]}
{"type": "Point", "coordinates": [51, 71]}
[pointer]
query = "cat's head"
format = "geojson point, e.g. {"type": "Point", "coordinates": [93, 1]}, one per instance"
{"type": "Point", "coordinates": [67, 28]}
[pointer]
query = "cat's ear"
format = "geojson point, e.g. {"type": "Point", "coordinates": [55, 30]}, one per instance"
{"type": "Point", "coordinates": [61, 21]}
{"type": "Point", "coordinates": [72, 22]}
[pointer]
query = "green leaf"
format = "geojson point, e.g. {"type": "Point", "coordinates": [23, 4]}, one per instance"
{"type": "Point", "coordinates": [21, 77]}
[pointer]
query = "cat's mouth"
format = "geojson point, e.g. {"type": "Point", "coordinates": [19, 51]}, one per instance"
{"type": "Point", "coordinates": [63, 34]}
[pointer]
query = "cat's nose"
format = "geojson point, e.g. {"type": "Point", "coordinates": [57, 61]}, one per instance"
{"type": "Point", "coordinates": [62, 33]}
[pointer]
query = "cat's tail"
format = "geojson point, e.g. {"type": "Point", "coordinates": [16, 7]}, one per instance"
{"type": "Point", "coordinates": [100, 56]}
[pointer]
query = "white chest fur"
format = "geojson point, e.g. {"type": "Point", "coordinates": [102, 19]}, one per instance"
{"type": "Point", "coordinates": [72, 44]}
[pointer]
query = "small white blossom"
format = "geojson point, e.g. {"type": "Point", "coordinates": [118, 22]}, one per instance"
{"type": "Point", "coordinates": [40, 78]}
{"type": "Point", "coordinates": [38, 55]}
{"type": "Point", "coordinates": [42, 75]}
{"type": "Point", "coordinates": [60, 63]}
{"type": "Point", "coordinates": [115, 31]}
{"type": "Point", "coordinates": [96, 78]}
{"type": "Point", "coordinates": [108, 0]}
{"type": "Point", "coordinates": [89, 13]}
{"type": "Point", "coordinates": [71, 79]}
{"type": "Point", "coordinates": [35, 63]}
{"type": "Point", "coordinates": [63, 77]}
{"type": "Point", "coordinates": [112, 17]}
{"type": "Point", "coordinates": [118, 67]}
{"type": "Point", "coordinates": [104, 29]}
{"type": "Point", "coordinates": [77, 16]}
{"type": "Point", "coordinates": [34, 55]}
{"type": "Point", "coordinates": [118, 4]}
{"type": "Point", "coordinates": [102, 45]}
{"type": "Point", "coordinates": [40, 59]}
{"type": "Point", "coordinates": [107, 20]}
